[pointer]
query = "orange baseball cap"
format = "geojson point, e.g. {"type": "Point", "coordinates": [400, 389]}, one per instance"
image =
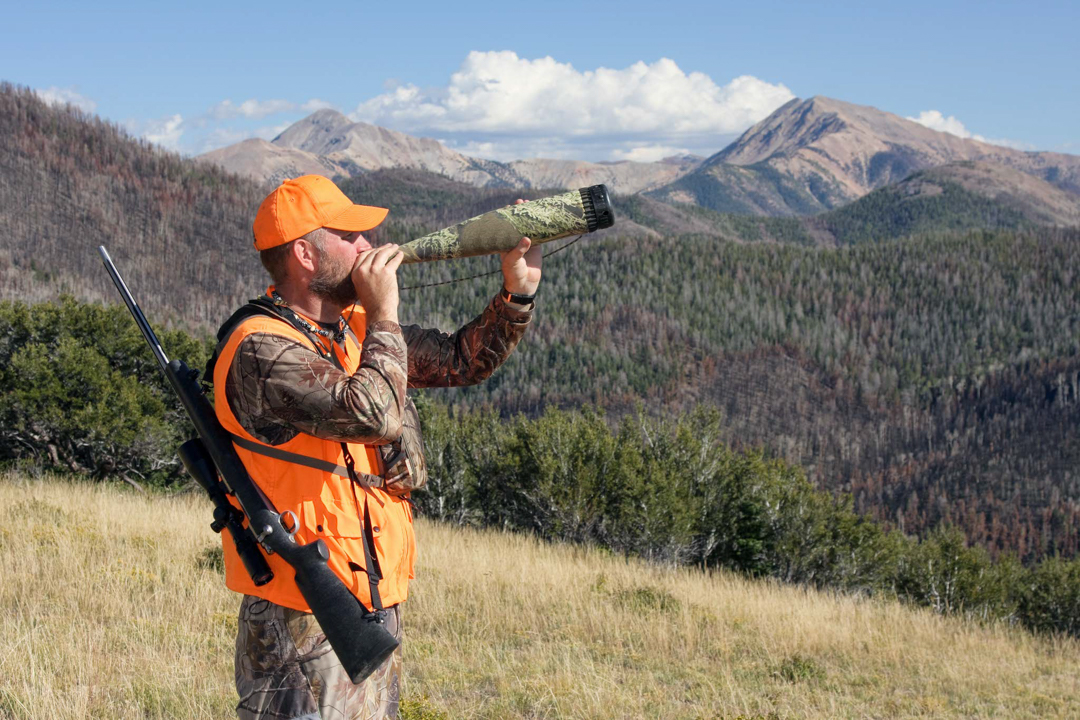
{"type": "Point", "coordinates": [302, 204]}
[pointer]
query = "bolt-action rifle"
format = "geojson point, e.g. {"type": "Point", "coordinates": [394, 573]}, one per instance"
{"type": "Point", "coordinates": [360, 643]}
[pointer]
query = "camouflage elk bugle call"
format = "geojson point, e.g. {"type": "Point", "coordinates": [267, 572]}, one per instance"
{"type": "Point", "coordinates": [571, 213]}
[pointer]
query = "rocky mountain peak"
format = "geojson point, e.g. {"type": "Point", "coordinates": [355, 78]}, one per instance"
{"type": "Point", "coordinates": [802, 123]}
{"type": "Point", "coordinates": [314, 131]}
{"type": "Point", "coordinates": [815, 154]}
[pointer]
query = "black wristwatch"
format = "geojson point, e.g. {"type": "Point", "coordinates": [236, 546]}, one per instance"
{"type": "Point", "coordinates": [510, 297]}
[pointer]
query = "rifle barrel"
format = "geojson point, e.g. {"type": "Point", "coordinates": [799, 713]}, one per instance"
{"type": "Point", "coordinates": [140, 319]}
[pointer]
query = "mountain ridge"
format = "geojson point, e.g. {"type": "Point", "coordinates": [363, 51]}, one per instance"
{"type": "Point", "coordinates": [329, 140]}
{"type": "Point", "coordinates": [806, 157]}
{"type": "Point", "coordinates": [817, 154]}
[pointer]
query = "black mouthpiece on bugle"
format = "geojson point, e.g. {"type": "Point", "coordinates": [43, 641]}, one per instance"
{"type": "Point", "coordinates": [598, 211]}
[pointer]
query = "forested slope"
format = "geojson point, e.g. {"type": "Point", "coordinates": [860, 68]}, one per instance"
{"type": "Point", "coordinates": [958, 197]}
{"type": "Point", "coordinates": [934, 376]}
{"type": "Point", "coordinates": [70, 182]}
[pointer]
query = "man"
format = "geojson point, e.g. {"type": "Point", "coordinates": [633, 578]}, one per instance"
{"type": "Point", "coordinates": [317, 381]}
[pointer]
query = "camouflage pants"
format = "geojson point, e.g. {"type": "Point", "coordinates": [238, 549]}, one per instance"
{"type": "Point", "coordinates": [286, 669]}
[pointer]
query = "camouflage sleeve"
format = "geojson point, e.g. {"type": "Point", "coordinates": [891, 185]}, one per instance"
{"type": "Point", "coordinates": [278, 387]}
{"type": "Point", "coordinates": [469, 356]}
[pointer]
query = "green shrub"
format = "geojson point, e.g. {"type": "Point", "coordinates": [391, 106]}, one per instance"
{"type": "Point", "coordinates": [81, 392]}
{"type": "Point", "coordinates": [1049, 597]}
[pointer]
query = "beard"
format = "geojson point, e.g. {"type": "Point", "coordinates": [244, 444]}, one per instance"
{"type": "Point", "coordinates": [333, 281]}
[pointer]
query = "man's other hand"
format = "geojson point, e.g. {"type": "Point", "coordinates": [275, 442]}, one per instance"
{"type": "Point", "coordinates": [521, 266]}
{"type": "Point", "coordinates": [374, 275]}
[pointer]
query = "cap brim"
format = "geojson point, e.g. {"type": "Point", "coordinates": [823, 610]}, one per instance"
{"type": "Point", "coordinates": [357, 218]}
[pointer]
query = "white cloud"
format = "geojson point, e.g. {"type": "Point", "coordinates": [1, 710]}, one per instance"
{"type": "Point", "coordinates": [254, 109]}
{"type": "Point", "coordinates": [165, 132]}
{"type": "Point", "coordinates": [935, 120]}
{"type": "Point", "coordinates": [221, 136]}
{"type": "Point", "coordinates": [66, 96]}
{"type": "Point", "coordinates": [216, 138]}
{"type": "Point", "coordinates": [269, 132]}
{"type": "Point", "coordinates": [504, 107]}
{"type": "Point", "coordinates": [315, 104]}
{"type": "Point", "coordinates": [505, 149]}
{"type": "Point", "coordinates": [648, 153]}
{"type": "Point", "coordinates": [258, 109]}
{"type": "Point", "coordinates": [501, 94]}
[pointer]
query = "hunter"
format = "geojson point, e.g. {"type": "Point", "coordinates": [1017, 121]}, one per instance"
{"type": "Point", "coordinates": [323, 375]}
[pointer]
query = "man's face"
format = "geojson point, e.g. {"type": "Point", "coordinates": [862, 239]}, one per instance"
{"type": "Point", "coordinates": [336, 255]}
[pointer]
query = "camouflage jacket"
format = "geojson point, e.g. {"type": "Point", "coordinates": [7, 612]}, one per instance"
{"type": "Point", "coordinates": [277, 387]}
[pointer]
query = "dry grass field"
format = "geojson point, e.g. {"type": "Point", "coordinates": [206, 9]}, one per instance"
{"type": "Point", "coordinates": [107, 611]}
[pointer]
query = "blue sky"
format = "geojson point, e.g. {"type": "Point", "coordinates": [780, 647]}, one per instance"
{"type": "Point", "coordinates": [575, 79]}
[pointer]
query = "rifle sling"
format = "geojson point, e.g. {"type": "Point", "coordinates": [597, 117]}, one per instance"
{"type": "Point", "coordinates": [371, 560]}
{"type": "Point", "coordinates": [290, 457]}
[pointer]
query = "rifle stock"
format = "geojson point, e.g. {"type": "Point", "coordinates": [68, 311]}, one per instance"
{"type": "Point", "coordinates": [361, 644]}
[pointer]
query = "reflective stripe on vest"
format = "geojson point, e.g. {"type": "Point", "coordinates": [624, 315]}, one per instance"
{"type": "Point", "coordinates": [308, 476]}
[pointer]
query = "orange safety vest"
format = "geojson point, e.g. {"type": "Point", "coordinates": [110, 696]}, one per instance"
{"type": "Point", "coordinates": [328, 505]}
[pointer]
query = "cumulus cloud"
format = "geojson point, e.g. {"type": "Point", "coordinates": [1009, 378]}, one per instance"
{"type": "Point", "coordinates": [501, 106]}
{"type": "Point", "coordinates": [936, 120]}
{"type": "Point", "coordinates": [165, 132]}
{"type": "Point", "coordinates": [501, 94]}
{"type": "Point", "coordinates": [66, 96]}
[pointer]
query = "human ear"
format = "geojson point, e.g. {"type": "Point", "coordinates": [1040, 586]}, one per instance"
{"type": "Point", "coordinates": [305, 254]}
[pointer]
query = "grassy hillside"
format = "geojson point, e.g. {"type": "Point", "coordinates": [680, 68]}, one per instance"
{"type": "Point", "coordinates": [111, 607]}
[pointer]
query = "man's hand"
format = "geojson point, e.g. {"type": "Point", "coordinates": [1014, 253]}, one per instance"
{"type": "Point", "coordinates": [374, 275]}
{"type": "Point", "coordinates": [521, 266]}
